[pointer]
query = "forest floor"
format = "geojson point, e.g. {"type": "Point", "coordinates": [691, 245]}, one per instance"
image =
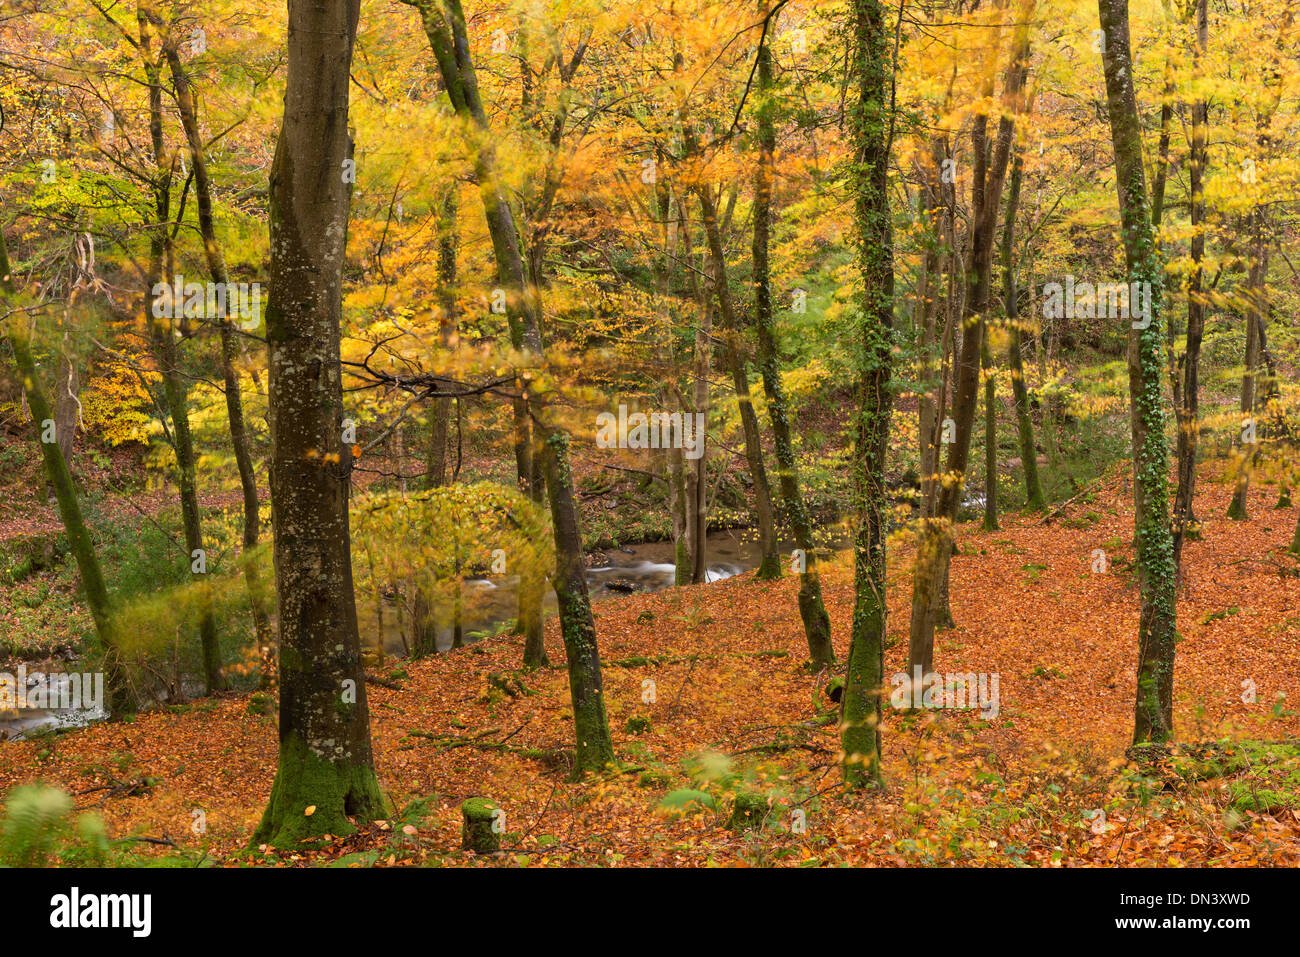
{"type": "Point", "coordinates": [1045, 781]}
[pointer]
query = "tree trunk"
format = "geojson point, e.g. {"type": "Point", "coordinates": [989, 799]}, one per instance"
{"type": "Point", "coordinates": [1157, 573]}
{"type": "Point", "coordinates": [812, 609]}
{"type": "Point", "coordinates": [1034, 499]}
{"type": "Point", "coordinates": [871, 124]}
{"type": "Point", "coordinates": [66, 388]}
{"type": "Point", "coordinates": [990, 431]}
{"type": "Point", "coordinates": [450, 45]}
{"type": "Point", "coordinates": [1188, 393]}
{"type": "Point", "coordinates": [325, 754]}
{"type": "Point", "coordinates": [697, 472]}
{"type": "Point", "coordinates": [121, 695]}
{"type": "Point", "coordinates": [769, 567]}
{"type": "Point", "coordinates": [935, 549]}
{"type": "Point", "coordinates": [163, 337]}
{"type": "Point", "coordinates": [532, 579]}
{"type": "Point", "coordinates": [229, 351]}
{"type": "Point", "coordinates": [440, 416]}
{"type": "Point", "coordinates": [1256, 310]}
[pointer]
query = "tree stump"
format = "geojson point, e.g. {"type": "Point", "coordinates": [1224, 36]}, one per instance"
{"type": "Point", "coordinates": [476, 832]}
{"type": "Point", "coordinates": [749, 811]}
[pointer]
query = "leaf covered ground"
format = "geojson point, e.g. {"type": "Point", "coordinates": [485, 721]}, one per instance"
{"type": "Point", "coordinates": [1046, 782]}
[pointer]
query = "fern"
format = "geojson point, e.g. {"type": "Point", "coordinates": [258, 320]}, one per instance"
{"type": "Point", "coordinates": [36, 831]}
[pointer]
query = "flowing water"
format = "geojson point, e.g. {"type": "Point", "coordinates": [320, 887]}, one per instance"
{"type": "Point", "coordinates": [486, 605]}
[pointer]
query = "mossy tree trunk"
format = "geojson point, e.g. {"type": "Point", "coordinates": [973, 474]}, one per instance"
{"type": "Point", "coordinates": [873, 341]}
{"type": "Point", "coordinates": [577, 627]}
{"type": "Point", "coordinates": [532, 578]}
{"type": "Point", "coordinates": [121, 695]}
{"type": "Point", "coordinates": [325, 754]}
{"type": "Point", "coordinates": [812, 609]}
{"type": "Point", "coordinates": [1157, 573]}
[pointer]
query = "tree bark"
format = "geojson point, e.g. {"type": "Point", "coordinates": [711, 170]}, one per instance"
{"type": "Point", "coordinates": [229, 351]}
{"type": "Point", "coordinates": [769, 567]}
{"type": "Point", "coordinates": [167, 356]}
{"type": "Point", "coordinates": [1256, 311]}
{"type": "Point", "coordinates": [446, 31]}
{"type": "Point", "coordinates": [697, 471]}
{"type": "Point", "coordinates": [1157, 573]}
{"type": "Point", "coordinates": [990, 430]}
{"type": "Point", "coordinates": [871, 127]}
{"type": "Point", "coordinates": [435, 473]}
{"type": "Point", "coordinates": [1188, 394]}
{"type": "Point", "coordinates": [1034, 499]}
{"type": "Point", "coordinates": [325, 753]}
{"type": "Point", "coordinates": [812, 609]}
{"type": "Point", "coordinates": [935, 549]}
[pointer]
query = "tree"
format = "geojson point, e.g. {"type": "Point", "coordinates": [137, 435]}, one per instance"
{"type": "Point", "coordinates": [229, 350]}
{"type": "Point", "coordinates": [163, 336]}
{"type": "Point", "coordinates": [1024, 422]}
{"type": "Point", "coordinates": [770, 564]}
{"type": "Point", "coordinates": [1157, 572]}
{"type": "Point", "coordinates": [446, 31]}
{"type": "Point", "coordinates": [812, 609]}
{"type": "Point", "coordinates": [122, 698]}
{"type": "Point", "coordinates": [325, 757]}
{"type": "Point", "coordinates": [873, 336]}
{"type": "Point", "coordinates": [1188, 391]}
{"type": "Point", "coordinates": [934, 550]}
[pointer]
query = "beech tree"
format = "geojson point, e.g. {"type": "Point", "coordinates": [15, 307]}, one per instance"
{"type": "Point", "coordinates": [162, 331]}
{"type": "Point", "coordinates": [216, 260]}
{"type": "Point", "coordinates": [325, 756]}
{"type": "Point", "coordinates": [934, 549]}
{"type": "Point", "coordinates": [812, 609]}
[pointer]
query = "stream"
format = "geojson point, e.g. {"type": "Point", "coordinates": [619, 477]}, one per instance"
{"type": "Point", "coordinates": [645, 567]}
{"type": "Point", "coordinates": [487, 604]}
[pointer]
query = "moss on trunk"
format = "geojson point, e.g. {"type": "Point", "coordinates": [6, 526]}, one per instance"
{"type": "Point", "coordinates": [334, 791]}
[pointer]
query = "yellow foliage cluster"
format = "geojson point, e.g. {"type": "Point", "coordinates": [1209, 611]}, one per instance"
{"type": "Point", "coordinates": [115, 405]}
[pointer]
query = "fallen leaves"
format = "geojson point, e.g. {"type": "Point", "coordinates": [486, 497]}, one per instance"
{"type": "Point", "coordinates": [1023, 788]}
